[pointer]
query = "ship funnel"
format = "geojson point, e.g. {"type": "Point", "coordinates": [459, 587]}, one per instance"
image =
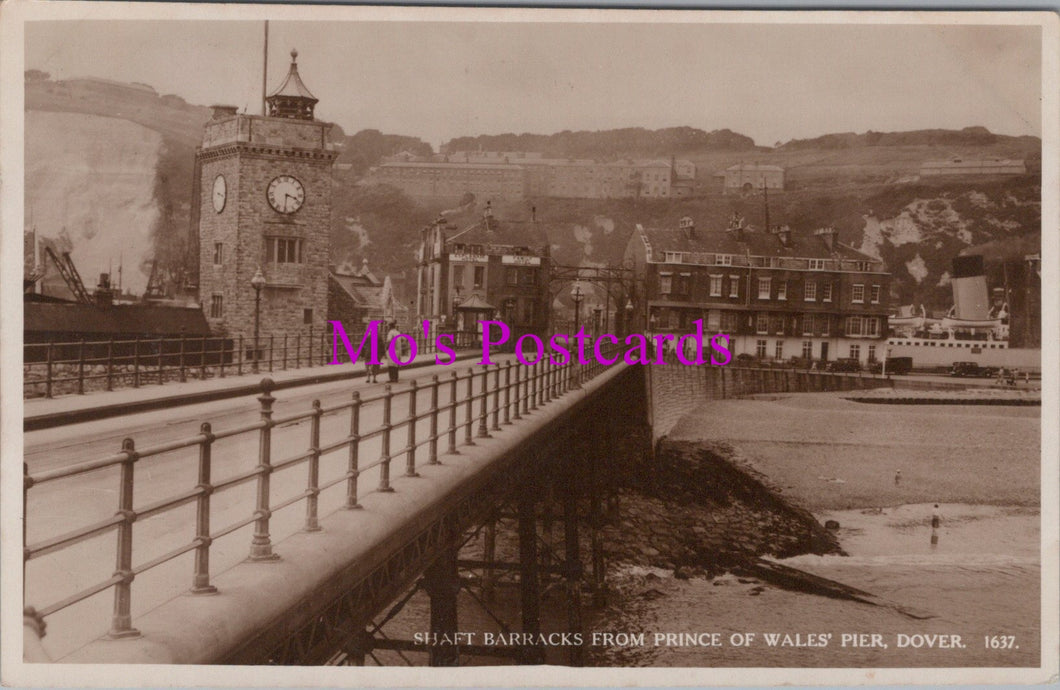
{"type": "Point", "coordinates": [971, 299]}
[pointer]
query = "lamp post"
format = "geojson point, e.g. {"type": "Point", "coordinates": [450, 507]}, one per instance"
{"type": "Point", "coordinates": [597, 310]}
{"type": "Point", "coordinates": [577, 296]}
{"type": "Point", "coordinates": [257, 282]}
{"type": "Point", "coordinates": [886, 357]}
{"type": "Point", "coordinates": [629, 316]}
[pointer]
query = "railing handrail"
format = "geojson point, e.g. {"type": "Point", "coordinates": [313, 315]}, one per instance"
{"type": "Point", "coordinates": [135, 361]}
{"type": "Point", "coordinates": [483, 401]}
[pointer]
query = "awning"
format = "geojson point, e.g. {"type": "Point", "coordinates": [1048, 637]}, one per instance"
{"type": "Point", "coordinates": [475, 303]}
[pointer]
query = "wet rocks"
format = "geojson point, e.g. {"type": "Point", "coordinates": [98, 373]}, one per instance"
{"type": "Point", "coordinates": [705, 514]}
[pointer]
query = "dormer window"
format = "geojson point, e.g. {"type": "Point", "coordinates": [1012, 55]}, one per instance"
{"type": "Point", "coordinates": [673, 257]}
{"type": "Point", "coordinates": [723, 259]}
{"type": "Point", "coordinates": [816, 264]}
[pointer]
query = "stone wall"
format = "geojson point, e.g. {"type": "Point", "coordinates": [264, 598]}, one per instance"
{"type": "Point", "coordinates": [675, 389]}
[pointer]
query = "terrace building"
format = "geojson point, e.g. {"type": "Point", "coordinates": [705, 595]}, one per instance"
{"type": "Point", "coordinates": [745, 177]}
{"type": "Point", "coordinates": [491, 270]}
{"type": "Point", "coordinates": [778, 294]}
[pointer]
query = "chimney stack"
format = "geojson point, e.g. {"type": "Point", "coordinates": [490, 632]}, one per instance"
{"type": "Point", "coordinates": [736, 226]}
{"type": "Point", "coordinates": [104, 294]}
{"type": "Point", "coordinates": [221, 112]}
{"type": "Point", "coordinates": [783, 233]}
{"type": "Point", "coordinates": [688, 226]}
{"type": "Point", "coordinates": [828, 235]}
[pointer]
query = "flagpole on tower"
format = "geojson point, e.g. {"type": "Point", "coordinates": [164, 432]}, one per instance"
{"type": "Point", "coordinates": [265, 70]}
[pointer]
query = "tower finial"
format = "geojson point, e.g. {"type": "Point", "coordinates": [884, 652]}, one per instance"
{"type": "Point", "coordinates": [294, 55]}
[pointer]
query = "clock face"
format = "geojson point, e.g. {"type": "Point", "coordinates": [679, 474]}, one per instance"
{"type": "Point", "coordinates": [220, 193]}
{"type": "Point", "coordinates": [286, 194]}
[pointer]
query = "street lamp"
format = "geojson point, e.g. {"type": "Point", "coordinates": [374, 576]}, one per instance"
{"type": "Point", "coordinates": [577, 296]}
{"type": "Point", "coordinates": [629, 316]}
{"type": "Point", "coordinates": [257, 282]}
{"type": "Point", "coordinates": [597, 310]}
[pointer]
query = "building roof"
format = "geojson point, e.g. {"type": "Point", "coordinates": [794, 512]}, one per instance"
{"type": "Point", "coordinates": [973, 163]}
{"type": "Point", "coordinates": [754, 166]}
{"type": "Point", "coordinates": [292, 86]}
{"type": "Point", "coordinates": [515, 233]}
{"type": "Point", "coordinates": [116, 320]}
{"type": "Point", "coordinates": [469, 166]}
{"type": "Point", "coordinates": [801, 244]}
{"type": "Point", "coordinates": [474, 302]}
{"type": "Point", "coordinates": [368, 296]}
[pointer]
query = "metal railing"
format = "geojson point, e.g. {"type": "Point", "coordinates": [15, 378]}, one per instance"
{"type": "Point", "coordinates": [94, 365]}
{"type": "Point", "coordinates": [473, 404]}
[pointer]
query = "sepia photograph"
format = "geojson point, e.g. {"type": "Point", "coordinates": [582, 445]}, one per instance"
{"type": "Point", "coordinates": [552, 347]}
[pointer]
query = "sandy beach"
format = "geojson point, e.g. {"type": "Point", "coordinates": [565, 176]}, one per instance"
{"type": "Point", "coordinates": [838, 459]}
{"type": "Point", "coordinates": [827, 453]}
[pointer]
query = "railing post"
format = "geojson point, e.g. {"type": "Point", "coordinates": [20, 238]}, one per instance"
{"type": "Point", "coordinates": [532, 387]}
{"type": "Point", "coordinates": [432, 448]}
{"type": "Point", "coordinates": [161, 362]}
{"type": "Point", "coordinates": [297, 349]}
{"type": "Point", "coordinates": [452, 450]}
{"type": "Point", "coordinates": [202, 360]}
{"type": "Point", "coordinates": [242, 354]}
{"type": "Point", "coordinates": [312, 524]}
{"type": "Point", "coordinates": [223, 348]}
{"type": "Point", "coordinates": [469, 407]}
{"type": "Point", "coordinates": [183, 363]}
{"type": "Point", "coordinates": [384, 453]}
{"type": "Point", "coordinates": [517, 388]}
{"type": "Point", "coordinates": [121, 622]}
{"type": "Point", "coordinates": [496, 425]}
{"type": "Point", "coordinates": [110, 364]}
{"type": "Point", "coordinates": [261, 545]}
{"type": "Point", "coordinates": [352, 471]}
{"type": "Point", "coordinates": [81, 368]}
{"type": "Point", "coordinates": [507, 392]}
{"type": "Point", "coordinates": [270, 352]}
{"type": "Point", "coordinates": [483, 431]}
{"type": "Point", "coordinates": [523, 399]}
{"type": "Point", "coordinates": [200, 583]}
{"type": "Point", "coordinates": [136, 363]}
{"type": "Point", "coordinates": [309, 357]}
{"type": "Point", "coordinates": [48, 371]}
{"type": "Point", "coordinates": [410, 447]}
{"type": "Point", "coordinates": [285, 350]}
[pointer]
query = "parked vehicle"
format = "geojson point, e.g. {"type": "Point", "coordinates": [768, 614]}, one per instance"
{"type": "Point", "coordinates": [897, 366]}
{"type": "Point", "coordinates": [972, 369]}
{"type": "Point", "coordinates": [845, 364]}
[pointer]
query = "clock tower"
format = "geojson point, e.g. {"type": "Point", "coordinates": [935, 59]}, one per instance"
{"type": "Point", "coordinates": [265, 204]}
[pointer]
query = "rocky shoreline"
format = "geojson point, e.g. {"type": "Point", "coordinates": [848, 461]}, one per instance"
{"type": "Point", "coordinates": [703, 513]}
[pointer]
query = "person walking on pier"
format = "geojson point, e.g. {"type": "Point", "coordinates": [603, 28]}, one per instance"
{"type": "Point", "coordinates": [391, 362]}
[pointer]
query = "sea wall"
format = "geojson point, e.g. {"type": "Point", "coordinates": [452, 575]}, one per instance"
{"type": "Point", "coordinates": [675, 390]}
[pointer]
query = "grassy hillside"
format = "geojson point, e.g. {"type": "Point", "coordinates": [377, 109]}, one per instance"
{"type": "Point", "coordinates": [865, 185]}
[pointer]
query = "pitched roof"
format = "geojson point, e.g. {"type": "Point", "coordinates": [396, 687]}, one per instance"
{"type": "Point", "coordinates": [475, 302]}
{"type": "Point", "coordinates": [801, 244]}
{"type": "Point", "coordinates": [516, 233]}
{"type": "Point", "coordinates": [366, 296]}
{"type": "Point", "coordinates": [755, 166]}
{"type": "Point", "coordinates": [292, 86]}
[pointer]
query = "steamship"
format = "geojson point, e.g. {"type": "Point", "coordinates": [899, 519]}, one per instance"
{"type": "Point", "coordinates": [972, 322]}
